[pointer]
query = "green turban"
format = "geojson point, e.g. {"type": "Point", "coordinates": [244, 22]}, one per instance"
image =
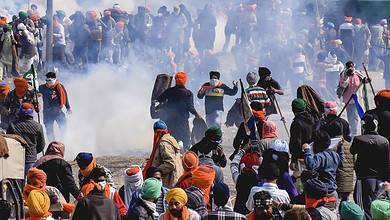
{"type": "Point", "coordinates": [23, 15]}
{"type": "Point", "coordinates": [151, 189]}
{"type": "Point", "coordinates": [299, 105]}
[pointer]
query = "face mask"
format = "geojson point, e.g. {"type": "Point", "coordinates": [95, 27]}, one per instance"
{"type": "Point", "coordinates": [214, 82]}
{"type": "Point", "coordinates": [102, 184]}
{"type": "Point", "coordinates": [51, 82]}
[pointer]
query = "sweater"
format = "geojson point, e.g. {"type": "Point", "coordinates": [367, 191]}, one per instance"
{"type": "Point", "coordinates": [214, 96]}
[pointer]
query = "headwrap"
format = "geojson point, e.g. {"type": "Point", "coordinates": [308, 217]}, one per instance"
{"type": "Point", "coordinates": [21, 87]}
{"type": "Point", "coordinates": [38, 203]}
{"type": "Point", "coordinates": [26, 109]}
{"type": "Point", "coordinates": [280, 146]}
{"type": "Point", "coordinates": [86, 162]}
{"type": "Point", "coordinates": [55, 150]}
{"type": "Point", "coordinates": [151, 189]}
{"type": "Point", "coordinates": [214, 134]}
{"type": "Point", "coordinates": [382, 99]}
{"type": "Point", "coordinates": [60, 92]}
{"type": "Point", "coordinates": [269, 130]}
{"type": "Point", "coordinates": [133, 181]}
{"type": "Point", "coordinates": [4, 89]}
{"type": "Point", "coordinates": [330, 108]}
{"type": "Point", "coordinates": [380, 209]}
{"type": "Point", "coordinates": [23, 15]}
{"type": "Point", "coordinates": [252, 78]}
{"type": "Point", "coordinates": [262, 199]}
{"type": "Point", "coordinates": [299, 105]}
{"type": "Point", "coordinates": [215, 74]}
{"type": "Point", "coordinates": [36, 180]}
{"type": "Point", "coordinates": [87, 188]}
{"type": "Point", "coordinates": [190, 161]}
{"type": "Point", "coordinates": [181, 78]}
{"type": "Point", "coordinates": [330, 25]}
{"type": "Point", "coordinates": [203, 178]}
{"type": "Point", "coordinates": [351, 211]}
{"type": "Point", "coordinates": [160, 129]}
{"type": "Point", "coordinates": [250, 163]}
{"type": "Point", "coordinates": [178, 194]}
{"type": "Point", "coordinates": [221, 194]}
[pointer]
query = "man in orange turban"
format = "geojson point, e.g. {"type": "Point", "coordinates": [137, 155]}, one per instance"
{"type": "Point", "coordinates": [179, 103]}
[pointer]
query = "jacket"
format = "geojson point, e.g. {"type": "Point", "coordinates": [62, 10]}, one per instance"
{"type": "Point", "coordinates": [32, 132]}
{"type": "Point", "coordinates": [96, 206]}
{"type": "Point", "coordinates": [326, 164]}
{"type": "Point", "coordinates": [141, 211]}
{"type": "Point", "coordinates": [179, 102]}
{"type": "Point", "coordinates": [168, 160]}
{"type": "Point", "coordinates": [59, 174]}
{"type": "Point", "coordinates": [214, 96]}
{"type": "Point", "coordinates": [344, 176]}
{"type": "Point", "coordinates": [301, 131]}
{"type": "Point", "coordinates": [373, 156]}
{"type": "Point", "coordinates": [333, 118]}
{"type": "Point", "coordinates": [51, 100]}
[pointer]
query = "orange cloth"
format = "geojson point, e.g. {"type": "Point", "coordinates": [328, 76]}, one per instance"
{"type": "Point", "coordinates": [86, 171]}
{"type": "Point", "coordinates": [207, 87]}
{"type": "Point", "coordinates": [181, 78]}
{"type": "Point", "coordinates": [157, 136]}
{"type": "Point", "coordinates": [4, 89]}
{"type": "Point", "coordinates": [21, 87]}
{"type": "Point", "coordinates": [384, 93]}
{"type": "Point", "coordinates": [203, 178]}
{"type": "Point", "coordinates": [36, 180]}
{"type": "Point", "coordinates": [60, 92]}
{"type": "Point", "coordinates": [132, 170]}
{"type": "Point", "coordinates": [190, 161]}
{"type": "Point", "coordinates": [167, 215]}
{"type": "Point", "coordinates": [259, 115]}
{"type": "Point", "coordinates": [313, 203]}
{"type": "Point", "coordinates": [87, 188]}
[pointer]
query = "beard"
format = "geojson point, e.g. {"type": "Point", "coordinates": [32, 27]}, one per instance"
{"type": "Point", "coordinates": [176, 213]}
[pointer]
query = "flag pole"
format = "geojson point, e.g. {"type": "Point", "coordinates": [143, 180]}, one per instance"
{"type": "Point", "coordinates": [35, 91]}
{"type": "Point", "coordinates": [368, 78]}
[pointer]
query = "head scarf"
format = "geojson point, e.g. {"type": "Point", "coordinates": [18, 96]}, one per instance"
{"type": "Point", "coordinates": [382, 99]}
{"type": "Point", "coordinates": [203, 178]}
{"type": "Point", "coordinates": [21, 87]}
{"type": "Point", "coordinates": [160, 129]}
{"type": "Point", "coordinates": [299, 105]}
{"type": "Point", "coordinates": [181, 78]}
{"type": "Point", "coordinates": [269, 129]}
{"type": "Point", "coordinates": [151, 189]}
{"type": "Point", "coordinates": [181, 196]}
{"type": "Point", "coordinates": [133, 181]}
{"type": "Point", "coordinates": [55, 150]}
{"type": "Point", "coordinates": [330, 108]}
{"type": "Point", "coordinates": [27, 109]}
{"type": "Point", "coordinates": [36, 180]}
{"type": "Point", "coordinates": [38, 203]}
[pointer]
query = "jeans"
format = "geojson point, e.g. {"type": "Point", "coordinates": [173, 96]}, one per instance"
{"type": "Point", "coordinates": [353, 119]}
{"type": "Point", "coordinates": [214, 118]}
{"type": "Point", "coordinates": [49, 117]}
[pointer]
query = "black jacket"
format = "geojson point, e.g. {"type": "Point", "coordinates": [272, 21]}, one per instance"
{"type": "Point", "coordinates": [96, 207]}
{"type": "Point", "coordinates": [59, 175]}
{"type": "Point", "coordinates": [383, 117]}
{"type": "Point", "coordinates": [32, 132]}
{"type": "Point", "coordinates": [373, 160]}
{"type": "Point", "coordinates": [301, 131]}
{"type": "Point", "coordinates": [201, 148]}
{"type": "Point", "coordinates": [333, 118]}
{"type": "Point", "coordinates": [140, 211]}
{"type": "Point", "coordinates": [179, 102]}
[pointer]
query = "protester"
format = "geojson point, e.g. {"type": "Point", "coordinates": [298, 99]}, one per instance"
{"type": "Point", "coordinates": [381, 112]}
{"type": "Point", "coordinates": [87, 163]}
{"type": "Point", "coordinates": [161, 204]}
{"type": "Point", "coordinates": [179, 104]}
{"type": "Point", "coordinates": [55, 99]}
{"type": "Point", "coordinates": [38, 203]}
{"type": "Point", "coordinates": [190, 163]}
{"type": "Point", "coordinates": [133, 181]}
{"type": "Point", "coordinates": [262, 207]}
{"type": "Point", "coordinates": [256, 93]}
{"type": "Point", "coordinates": [58, 171]}
{"type": "Point", "coordinates": [269, 135]}
{"type": "Point", "coordinates": [221, 194]}
{"type": "Point", "coordinates": [214, 91]}
{"type": "Point", "coordinates": [203, 179]}
{"type": "Point", "coordinates": [177, 209]}
{"type": "Point", "coordinates": [331, 118]}
{"type": "Point", "coordinates": [271, 86]}
{"type": "Point", "coordinates": [31, 131]}
{"type": "Point", "coordinates": [370, 173]}
{"type": "Point", "coordinates": [145, 206]}
{"type": "Point", "coordinates": [165, 155]}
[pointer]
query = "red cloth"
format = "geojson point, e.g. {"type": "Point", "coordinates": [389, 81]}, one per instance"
{"type": "Point", "coordinates": [269, 129]}
{"type": "Point", "coordinates": [132, 170]}
{"type": "Point", "coordinates": [251, 216]}
{"type": "Point", "coordinates": [250, 162]}
{"type": "Point", "coordinates": [313, 203]}
{"type": "Point", "coordinates": [121, 206]}
{"type": "Point", "coordinates": [56, 150]}
{"type": "Point", "coordinates": [21, 87]}
{"type": "Point", "coordinates": [259, 115]}
{"type": "Point", "coordinates": [60, 92]}
{"type": "Point", "coordinates": [181, 78]}
{"type": "Point", "coordinates": [203, 178]}
{"type": "Point", "coordinates": [157, 136]}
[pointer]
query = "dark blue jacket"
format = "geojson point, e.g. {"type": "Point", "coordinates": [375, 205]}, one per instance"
{"type": "Point", "coordinates": [51, 99]}
{"type": "Point", "coordinates": [214, 96]}
{"type": "Point", "coordinates": [326, 164]}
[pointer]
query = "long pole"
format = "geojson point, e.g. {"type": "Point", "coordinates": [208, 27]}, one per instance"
{"type": "Point", "coordinates": [282, 118]}
{"type": "Point", "coordinates": [368, 78]}
{"type": "Point", "coordinates": [49, 35]}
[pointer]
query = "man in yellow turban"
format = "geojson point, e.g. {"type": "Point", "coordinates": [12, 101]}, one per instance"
{"type": "Point", "coordinates": [38, 203]}
{"type": "Point", "coordinates": [177, 209]}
